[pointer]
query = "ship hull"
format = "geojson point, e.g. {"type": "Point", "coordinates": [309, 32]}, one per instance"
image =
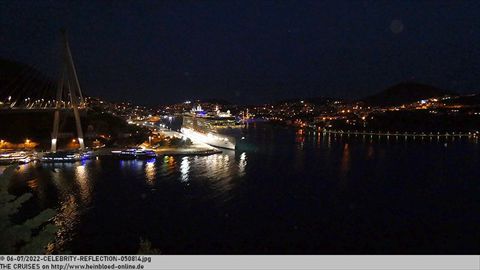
{"type": "Point", "coordinates": [215, 140]}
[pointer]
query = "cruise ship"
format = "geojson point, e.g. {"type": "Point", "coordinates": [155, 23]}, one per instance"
{"type": "Point", "coordinates": [209, 128]}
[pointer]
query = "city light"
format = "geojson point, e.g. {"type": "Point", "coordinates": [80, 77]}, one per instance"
{"type": "Point", "coordinates": [280, 141]}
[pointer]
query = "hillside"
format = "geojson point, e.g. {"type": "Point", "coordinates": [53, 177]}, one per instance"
{"type": "Point", "coordinates": [406, 92]}
{"type": "Point", "coordinates": [468, 100]}
{"type": "Point", "coordinates": [21, 81]}
{"type": "Point", "coordinates": [312, 100]}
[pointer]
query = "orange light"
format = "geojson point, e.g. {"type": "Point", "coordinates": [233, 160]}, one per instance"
{"type": "Point", "coordinates": [27, 141]}
{"type": "Point", "coordinates": [2, 141]}
{"type": "Point", "coordinates": [73, 140]}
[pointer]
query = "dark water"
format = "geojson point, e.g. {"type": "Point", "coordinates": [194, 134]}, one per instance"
{"type": "Point", "coordinates": [292, 194]}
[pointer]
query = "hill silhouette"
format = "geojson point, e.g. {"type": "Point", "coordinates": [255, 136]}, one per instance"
{"type": "Point", "coordinates": [406, 92]}
{"type": "Point", "coordinates": [20, 81]}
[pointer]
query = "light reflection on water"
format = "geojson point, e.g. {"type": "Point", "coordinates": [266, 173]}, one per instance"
{"type": "Point", "coordinates": [168, 165]}
{"type": "Point", "coordinates": [281, 186]}
{"type": "Point", "coordinates": [131, 165]}
{"type": "Point", "coordinates": [74, 186]}
{"type": "Point", "coordinates": [184, 168]}
{"type": "Point", "coordinates": [345, 161]}
{"type": "Point", "coordinates": [370, 152]}
{"type": "Point", "coordinates": [150, 172]}
{"type": "Point", "coordinates": [242, 164]}
{"type": "Point", "coordinates": [216, 166]}
{"type": "Point", "coordinates": [84, 183]}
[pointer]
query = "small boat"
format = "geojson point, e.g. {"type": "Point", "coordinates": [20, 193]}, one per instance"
{"type": "Point", "coordinates": [135, 153]}
{"type": "Point", "coordinates": [67, 156]}
{"type": "Point", "coordinates": [22, 157]}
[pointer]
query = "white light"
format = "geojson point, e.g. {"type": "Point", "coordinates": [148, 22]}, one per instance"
{"type": "Point", "coordinates": [208, 139]}
{"type": "Point", "coordinates": [184, 168]}
{"type": "Point", "coordinates": [80, 141]}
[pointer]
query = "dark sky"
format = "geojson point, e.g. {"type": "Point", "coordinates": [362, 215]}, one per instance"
{"type": "Point", "coordinates": [153, 52]}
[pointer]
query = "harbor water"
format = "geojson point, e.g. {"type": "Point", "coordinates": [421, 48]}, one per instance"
{"type": "Point", "coordinates": [292, 193]}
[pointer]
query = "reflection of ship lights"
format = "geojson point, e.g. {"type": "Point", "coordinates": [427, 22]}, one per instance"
{"type": "Point", "coordinates": [150, 171]}
{"type": "Point", "coordinates": [184, 168]}
{"type": "Point", "coordinates": [81, 176]}
{"type": "Point", "coordinates": [243, 163]}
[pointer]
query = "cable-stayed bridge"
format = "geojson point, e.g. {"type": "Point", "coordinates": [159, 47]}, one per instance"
{"type": "Point", "coordinates": [25, 89]}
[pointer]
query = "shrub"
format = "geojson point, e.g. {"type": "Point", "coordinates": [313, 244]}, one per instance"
{"type": "Point", "coordinates": [29, 237]}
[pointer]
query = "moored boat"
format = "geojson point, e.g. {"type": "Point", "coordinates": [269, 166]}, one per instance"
{"type": "Point", "coordinates": [204, 127]}
{"type": "Point", "coordinates": [67, 156]}
{"type": "Point", "coordinates": [135, 153]}
{"type": "Point", "coordinates": [9, 157]}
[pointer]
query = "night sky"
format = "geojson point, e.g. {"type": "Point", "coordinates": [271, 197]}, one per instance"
{"type": "Point", "coordinates": [152, 52]}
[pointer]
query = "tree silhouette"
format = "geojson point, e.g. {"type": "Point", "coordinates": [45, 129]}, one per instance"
{"type": "Point", "coordinates": [29, 237]}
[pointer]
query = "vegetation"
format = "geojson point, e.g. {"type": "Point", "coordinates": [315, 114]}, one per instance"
{"type": "Point", "coordinates": [406, 92]}
{"type": "Point", "coordinates": [37, 126]}
{"type": "Point", "coordinates": [173, 142]}
{"type": "Point", "coordinates": [423, 121]}
{"type": "Point", "coordinates": [145, 248]}
{"type": "Point", "coordinates": [118, 131]}
{"type": "Point", "coordinates": [30, 237]}
{"type": "Point", "coordinates": [413, 121]}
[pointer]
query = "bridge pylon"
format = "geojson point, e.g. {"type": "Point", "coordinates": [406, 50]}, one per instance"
{"type": "Point", "coordinates": [69, 82]}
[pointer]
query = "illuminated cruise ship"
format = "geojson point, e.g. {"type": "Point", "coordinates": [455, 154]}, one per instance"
{"type": "Point", "coordinates": [208, 127]}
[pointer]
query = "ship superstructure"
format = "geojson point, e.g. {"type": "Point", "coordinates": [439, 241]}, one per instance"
{"type": "Point", "coordinates": [207, 128]}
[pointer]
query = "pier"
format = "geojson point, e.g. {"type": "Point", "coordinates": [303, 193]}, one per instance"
{"type": "Point", "coordinates": [405, 134]}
